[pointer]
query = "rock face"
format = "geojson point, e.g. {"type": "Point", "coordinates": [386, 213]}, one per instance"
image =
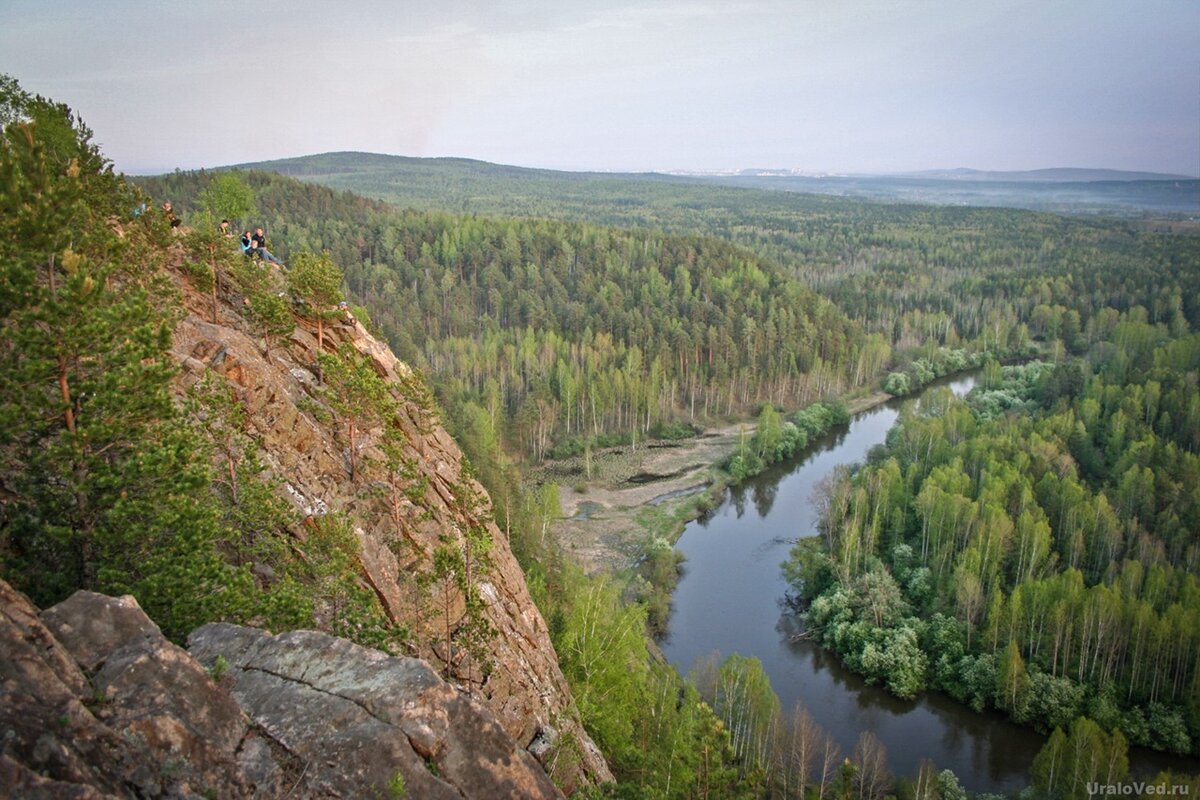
{"type": "Point", "coordinates": [290, 419]}
{"type": "Point", "coordinates": [95, 703]}
{"type": "Point", "coordinates": [147, 722]}
{"type": "Point", "coordinates": [355, 718]}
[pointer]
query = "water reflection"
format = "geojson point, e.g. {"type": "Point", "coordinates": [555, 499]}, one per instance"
{"type": "Point", "coordinates": [729, 601]}
{"type": "Point", "coordinates": [764, 497]}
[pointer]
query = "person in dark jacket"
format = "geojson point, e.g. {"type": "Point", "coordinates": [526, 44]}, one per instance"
{"type": "Point", "coordinates": [259, 246]}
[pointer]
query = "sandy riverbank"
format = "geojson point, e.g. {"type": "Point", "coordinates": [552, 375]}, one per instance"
{"type": "Point", "coordinates": [636, 494]}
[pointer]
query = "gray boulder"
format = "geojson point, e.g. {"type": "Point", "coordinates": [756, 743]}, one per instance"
{"type": "Point", "coordinates": [359, 721]}
{"type": "Point", "coordinates": [96, 703]}
{"type": "Point", "coordinates": [149, 722]}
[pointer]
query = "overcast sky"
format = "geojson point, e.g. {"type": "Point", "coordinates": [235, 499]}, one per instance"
{"type": "Point", "coordinates": [819, 85]}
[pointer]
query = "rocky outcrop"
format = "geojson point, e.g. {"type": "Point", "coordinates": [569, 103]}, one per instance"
{"type": "Point", "coordinates": [356, 717]}
{"type": "Point", "coordinates": [290, 419]}
{"type": "Point", "coordinates": [95, 703]}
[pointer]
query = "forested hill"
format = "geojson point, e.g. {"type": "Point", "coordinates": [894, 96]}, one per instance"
{"type": "Point", "coordinates": [1051, 175]}
{"type": "Point", "coordinates": [913, 273]}
{"type": "Point", "coordinates": [566, 328]}
{"type": "Point", "coordinates": [467, 185]}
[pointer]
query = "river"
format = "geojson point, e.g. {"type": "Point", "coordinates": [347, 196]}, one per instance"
{"type": "Point", "coordinates": [729, 600]}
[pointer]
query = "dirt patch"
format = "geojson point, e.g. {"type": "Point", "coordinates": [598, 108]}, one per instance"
{"type": "Point", "coordinates": [615, 505]}
{"type": "Point", "coordinates": [605, 524]}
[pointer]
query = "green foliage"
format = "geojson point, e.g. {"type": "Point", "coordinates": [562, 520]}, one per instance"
{"type": "Point", "coordinates": [347, 607]}
{"type": "Point", "coordinates": [356, 393]}
{"type": "Point", "coordinates": [227, 196]}
{"type": "Point", "coordinates": [938, 363]}
{"type": "Point", "coordinates": [1061, 537]}
{"type": "Point", "coordinates": [1086, 755]}
{"type": "Point", "coordinates": [740, 694]}
{"type": "Point", "coordinates": [397, 789]}
{"type": "Point", "coordinates": [898, 384]}
{"type": "Point", "coordinates": [912, 273]}
{"type": "Point", "coordinates": [660, 738]}
{"type": "Point", "coordinates": [109, 489]}
{"type": "Point", "coordinates": [265, 302]}
{"type": "Point", "coordinates": [659, 573]}
{"type": "Point", "coordinates": [808, 570]}
{"type": "Point", "coordinates": [776, 439]}
{"type": "Point", "coordinates": [317, 281]}
{"type": "Point", "coordinates": [1036, 502]}
{"type": "Point", "coordinates": [867, 625]}
{"type": "Point", "coordinates": [583, 331]}
{"type": "Point", "coordinates": [219, 668]}
{"type": "Point", "coordinates": [114, 485]}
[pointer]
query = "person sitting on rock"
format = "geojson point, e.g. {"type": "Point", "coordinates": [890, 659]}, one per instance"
{"type": "Point", "coordinates": [223, 229]}
{"type": "Point", "coordinates": [247, 244]}
{"type": "Point", "coordinates": [170, 214]}
{"type": "Point", "coordinates": [259, 246]}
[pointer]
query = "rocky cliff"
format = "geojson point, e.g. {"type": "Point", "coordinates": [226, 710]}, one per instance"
{"type": "Point", "coordinates": [289, 417]}
{"type": "Point", "coordinates": [96, 703]}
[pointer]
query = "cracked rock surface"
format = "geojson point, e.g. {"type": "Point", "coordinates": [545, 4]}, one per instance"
{"type": "Point", "coordinates": [96, 703]}
{"type": "Point", "coordinates": [289, 418]}
{"type": "Point", "coordinates": [354, 717]}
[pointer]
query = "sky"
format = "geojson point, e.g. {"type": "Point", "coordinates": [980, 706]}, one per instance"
{"type": "Point", "coordinates": [862, 86]}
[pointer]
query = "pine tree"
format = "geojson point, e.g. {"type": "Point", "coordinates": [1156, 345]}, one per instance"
{"type": "Point", "coordinates": [317, 281]}
{"type": "Point", "coordinates": [265, 300]}
{"type": "Point", "coordinates": [104, 486]}
{"type": "Point", "coordinates": [357, 394]}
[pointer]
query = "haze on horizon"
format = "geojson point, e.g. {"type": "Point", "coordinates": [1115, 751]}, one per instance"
{"type": "Point", "coordinates": [856, 86]}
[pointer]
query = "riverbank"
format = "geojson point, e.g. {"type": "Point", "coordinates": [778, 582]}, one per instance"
{"type": "Point", "coordinates": [616, 506]}
{"type": "Point", "coordinates": [637, 495]}
{"type": "Point", "coordinates": [728, 600]}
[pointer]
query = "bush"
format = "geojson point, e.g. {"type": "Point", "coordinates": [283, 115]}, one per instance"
{"type": "Point", "coordinates": [1052, 702]}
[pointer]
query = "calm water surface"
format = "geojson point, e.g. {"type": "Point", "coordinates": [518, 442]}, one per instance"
{"type": "Point", "coordinates": [729, 600]}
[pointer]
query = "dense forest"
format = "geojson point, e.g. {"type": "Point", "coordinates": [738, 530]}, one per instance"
{"type": "Point", "coordinates": [1001, 551]}
{"type": "Point", "coordinates": [569, 330]}
{"type": "Point", "coordinates": [166, 497]}
{"type": "Point", "coordinates": [1032, 548]}
{"type": "Point", "coordinates": [909, 271]}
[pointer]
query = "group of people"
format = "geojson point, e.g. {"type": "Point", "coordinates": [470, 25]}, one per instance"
{"type": "Point", "coordinates": [253, 244]}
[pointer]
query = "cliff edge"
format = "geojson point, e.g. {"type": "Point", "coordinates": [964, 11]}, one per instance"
{"type": "Point", "coordinates": [289, 415]}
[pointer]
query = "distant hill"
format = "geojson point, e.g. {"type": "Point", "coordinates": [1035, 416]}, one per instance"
{"type": "Point", "coordinates": [463, 185]}
{"type": "Point", "coordinates": [1054, 175]}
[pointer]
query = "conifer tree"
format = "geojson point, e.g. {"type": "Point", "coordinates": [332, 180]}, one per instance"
{"type": "Point", "coordinates": [356, 392]}
{"type": "Point", "coordinates": [105, 490]}
{"type": "Point", "coordinates": [212, 257]}
{"type": "Point", "coordinates": [317, 281]}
